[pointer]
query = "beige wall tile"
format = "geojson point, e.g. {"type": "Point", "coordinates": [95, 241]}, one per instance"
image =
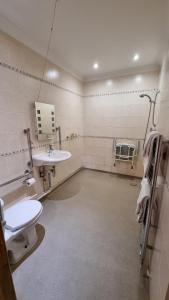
{"type": "Point", "coordinates": [120, 115]}
{"type": "Point", "coordinates": [17, 96]}
{"type": "Point", "coordinates": [160, 258]}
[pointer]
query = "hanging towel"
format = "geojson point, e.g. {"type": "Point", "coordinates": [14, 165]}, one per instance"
{"type": "Point", "coordinates": [143, 200]}
{"type": "Point", "coordinates": [149, 153]}
{"type": "Point", "coordinates": [150, 138]}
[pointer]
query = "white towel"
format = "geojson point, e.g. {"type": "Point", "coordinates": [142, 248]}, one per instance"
{"type": "Point", "coordinates": [148, 153]}
{"type": "Point", "coordinates": [145, 163]}
{"type": "Point", "coordinates": [143, 199]}
{"type": "Point", "coordinates": [150, 137]}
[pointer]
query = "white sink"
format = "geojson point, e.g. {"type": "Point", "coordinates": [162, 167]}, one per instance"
{"type": "Point", "coordinates": [50, 158]}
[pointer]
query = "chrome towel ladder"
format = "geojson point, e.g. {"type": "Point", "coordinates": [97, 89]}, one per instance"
{"type": "Point", "coordinates": [153, 181]}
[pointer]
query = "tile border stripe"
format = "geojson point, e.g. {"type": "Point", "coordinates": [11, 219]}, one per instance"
{"type": "Point", "coordinates": [100, 94]}
{"type": "Point", "coordinates": [27, 74]}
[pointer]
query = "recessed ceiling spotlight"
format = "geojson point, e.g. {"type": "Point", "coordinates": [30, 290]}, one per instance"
{"type": "Point", "coordinates": [138, 78]}
{"type": "Point", "coordinates": [109, 82]}
{"type": "Point", "coordinates": [136, 57]}
{"type": "Point", "coordinates": [52, 74]}
{"type": "Point", "coordinates": [95, 66]}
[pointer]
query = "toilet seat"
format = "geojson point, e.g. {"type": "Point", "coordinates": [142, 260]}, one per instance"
{"type": "Point", "coordinates": [22, 214]}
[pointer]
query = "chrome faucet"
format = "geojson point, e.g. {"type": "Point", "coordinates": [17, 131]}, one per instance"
{"type": "Point", "coordinates": [50, 149]}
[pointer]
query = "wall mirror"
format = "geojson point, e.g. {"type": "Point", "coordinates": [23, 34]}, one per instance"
{"type": "Point", "coordinates": [45, 120]}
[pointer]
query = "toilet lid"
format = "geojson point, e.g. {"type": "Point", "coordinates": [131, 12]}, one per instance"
{"type": "Point", "coordinates": [21, 214]}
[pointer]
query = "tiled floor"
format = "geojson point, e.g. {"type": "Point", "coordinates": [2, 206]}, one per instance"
{"type": "Point", "coordinates": [90, 247]}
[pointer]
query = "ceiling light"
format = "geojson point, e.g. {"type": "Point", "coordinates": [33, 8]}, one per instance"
{"type": "Point", "coordinates": [95, 66]}
{"type": "Point", "coordinates": [138, 78]}
{"type": "Point", "coordinates": [136, 57]}
{"type": "Point", "coordinates": [52, 74]}
{"type": "Point", "coordinates": [109, 82]}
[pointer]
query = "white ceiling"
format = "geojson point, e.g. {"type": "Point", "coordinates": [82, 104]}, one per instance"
{"type": "Point", "coordinates": [107, 31]}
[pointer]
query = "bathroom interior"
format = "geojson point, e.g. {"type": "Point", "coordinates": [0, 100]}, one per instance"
{"type": "Point", "coordinates": [84, 144]}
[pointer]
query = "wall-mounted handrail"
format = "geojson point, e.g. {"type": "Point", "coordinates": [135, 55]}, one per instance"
{"type": "Point", "coordinates": [26, 174]}
{"type": "Point", "coordinates": [27, 132]}
{"type": "Point", "coordinates": [153, 182]}
{"type": "Point", "coordinates": [112, 137]}
{"type": "Point", "coordinates": [30, 163]}
{"type": "Point", "coordinates": [60, 136]}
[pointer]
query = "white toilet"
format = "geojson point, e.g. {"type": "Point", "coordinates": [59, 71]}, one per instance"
{"type": "Point", "coordinates": [20, 233]}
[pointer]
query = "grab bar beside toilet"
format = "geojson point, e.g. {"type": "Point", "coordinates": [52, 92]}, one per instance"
{"type": "Point", "coordinates": [29, 172]}
{"type": "Point", "coordinates": [27, 132]}
{"type": "Point", "coordinates": [25, 175]}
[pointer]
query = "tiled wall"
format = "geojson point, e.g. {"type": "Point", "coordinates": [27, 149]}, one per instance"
{"type": "Point", "coordinates": [20, 70]}
{"type": "Point", "coordinates": [159, 281]}
{"type": "Point", "coordinates": [97, 111]}
{"type": "Point", "coordinates": [112, 108]}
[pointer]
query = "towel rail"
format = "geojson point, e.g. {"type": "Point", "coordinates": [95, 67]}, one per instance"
{"type": "Point", "coordinates": [153, 183]}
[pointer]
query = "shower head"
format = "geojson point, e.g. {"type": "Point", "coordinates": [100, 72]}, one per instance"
{"type": "Point", "coordinates": [142, 95]}
{"type": "Point", "coordinates": [145, 95]}
{"type": "Point", "coordinates": [153, 114]}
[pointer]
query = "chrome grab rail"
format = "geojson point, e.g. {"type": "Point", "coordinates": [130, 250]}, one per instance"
{"type": "Point", "coordinates": [150, 206]}
{"type": "Point", "coordinates": [27, 132]}
{"type": "Point", "coordinates": [60, 136]}
{"type": "Point", "coordinates": [30, 163]}
{"type": "Point", "coordinates": [26, 174]}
